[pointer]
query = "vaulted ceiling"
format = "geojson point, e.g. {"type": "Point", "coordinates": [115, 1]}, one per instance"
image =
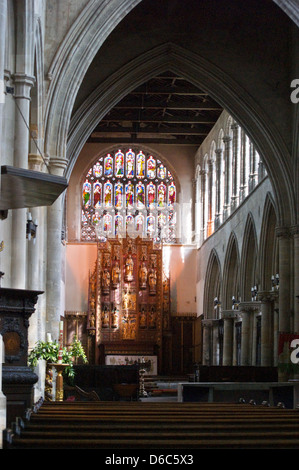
{"type": "Point", "coordinates": [166, 110]}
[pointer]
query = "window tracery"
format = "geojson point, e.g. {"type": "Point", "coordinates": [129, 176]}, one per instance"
{"type": "Point", "coordinates": [128, 191]}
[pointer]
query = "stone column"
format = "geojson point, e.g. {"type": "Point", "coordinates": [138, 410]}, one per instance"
{"type": "Point", "coordinates": [228, 336]}
{"type": "Point", "coordinates": [253, 175]}
{"type": "Point", "coordinates": [203, 176]}
{"type": "Point", "coordinates": [243, 166]}
{"type": "Point", "coordinates": [215, 342]}
{"type": "Point", "coordinates": [235, 166]}
{"type": "Point", "coordinates": [54, 255]}
{"type": "Point", "coordinates": [247, 309]}
{"type": "Point", "coordinates": [267, 332]}
{"type": "Point", "coordinates": [3, 20]}
{"type": "Point", "coordinates": [206, 339]}
{"type": "Point", "coordinates": [23, 84]}
{"type": "Point", "coordinates": [261, 171]}
{"type": "Point", "coordinates": [295, 232]}
{"type": "Point", "coordinates": [218, 213]}
{"type": "Point", "coordinates": [210, 198]}
{"type": "Point", "coordinates": [285, 303]}
{"type": "Point", "coordinates": [227, 188]}
{"type": "Point", "coordinates": [2, 396]}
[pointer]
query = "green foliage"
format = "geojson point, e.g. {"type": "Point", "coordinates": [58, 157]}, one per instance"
{"type": "Point", "coordinates": [48, 351]}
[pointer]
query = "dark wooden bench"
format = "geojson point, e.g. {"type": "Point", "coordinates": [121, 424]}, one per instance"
{"type": "Point", "coordinates": [147, 425]}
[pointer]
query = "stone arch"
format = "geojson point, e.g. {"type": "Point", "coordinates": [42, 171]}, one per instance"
{"type": "Point", "coordinates": [268, 244]}
{"type": "Point", "coordinates": [83, 40]}
{"type": "Point", "coordinates": [212, 286]}
{"type": "Point", "coordinates": [220, 86]}
{"type": "Point", "coordinates": [249, 259]}
{"type": "Point", "coordinates": [231, 270]}
{"type": "Point", "coordinates": [228, 126]}
{"type": "Point", "coordinates": [220, 144]}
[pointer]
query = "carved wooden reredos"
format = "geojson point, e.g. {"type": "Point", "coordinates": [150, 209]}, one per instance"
{"type": "Point", "coordinates": [128, 305]}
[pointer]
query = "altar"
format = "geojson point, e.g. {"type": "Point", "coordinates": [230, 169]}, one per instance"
{"type": "Point", "coordinates": [128, 304]}
{"type": "Point", "coordinates": [149, 363]}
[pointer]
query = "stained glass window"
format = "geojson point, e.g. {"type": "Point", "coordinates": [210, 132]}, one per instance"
{"type": "Point", "coordinates": [128, 191]}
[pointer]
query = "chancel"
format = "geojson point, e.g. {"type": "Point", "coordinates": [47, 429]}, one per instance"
{"type": "Point", "coordinates": [149, 248]}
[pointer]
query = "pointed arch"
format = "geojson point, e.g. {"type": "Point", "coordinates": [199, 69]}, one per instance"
{"type": "Point", "coordinates": [249, 259]}
{"type": "Point", "coordinates": [231, 271]}
{"type": "Point", "coordinates": [213, 282]}
{"type": "Point", "coordinates": [203, 74]}
{"type": "Point", "coordinates": [268, 244]}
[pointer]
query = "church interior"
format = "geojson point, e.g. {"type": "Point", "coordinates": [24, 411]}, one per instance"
{"type": "Point", "coordinates": [149, 223]}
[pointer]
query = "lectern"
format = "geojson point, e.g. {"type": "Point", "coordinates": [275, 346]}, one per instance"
{"type": "Point", "coordinates": [18, 379]}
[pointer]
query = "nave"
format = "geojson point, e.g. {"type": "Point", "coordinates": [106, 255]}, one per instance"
{"type": "Point", "coordinates": [155, 425]}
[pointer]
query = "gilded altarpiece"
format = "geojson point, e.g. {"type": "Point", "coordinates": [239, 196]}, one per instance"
{"type": "Point", "coordinates": [129, 307]}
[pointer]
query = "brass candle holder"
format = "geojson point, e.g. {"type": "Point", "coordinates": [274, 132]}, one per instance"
{"type": "Point", "coordinates": [59, 380]}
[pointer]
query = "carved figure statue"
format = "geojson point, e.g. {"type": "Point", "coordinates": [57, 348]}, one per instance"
{"type": "Point", "coordinates": [129, 269]}
{"type": "Point", "coordinates": [152, 280]}
{"type": "Point", "coordinates": [142, 321]}
{"type": "Point", "coordinates": [106, 279]}
{"type": "Point", "coordinates": [105, 318]}
{"type": "Point", "coordinates": [142, 276]}
{"type": "Point", "coordinates": [116, 274]}
{"type": "Point", "coordinates": [114, 318]}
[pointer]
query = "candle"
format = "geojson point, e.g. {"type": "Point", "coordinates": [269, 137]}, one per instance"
{"type": "Point", "coordinates": [60, 342]}
{"type": "Point", "coordinates": [49, 338]}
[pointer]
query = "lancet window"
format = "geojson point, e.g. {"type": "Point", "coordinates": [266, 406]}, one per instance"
{"type": "Point", "coordinates": [128, 192]}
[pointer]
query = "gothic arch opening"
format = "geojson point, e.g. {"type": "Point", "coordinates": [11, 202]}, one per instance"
{"type": "Point", "coordinates": [268, 246]}
{"type": "Point", "coordinates": [212, 290]}
{"type": "Point", "coordinates": [249, 260]}
{"type": "Point", "coordinates": [231, 286]}
{"type": "Point", "coordinates": [205, 76]}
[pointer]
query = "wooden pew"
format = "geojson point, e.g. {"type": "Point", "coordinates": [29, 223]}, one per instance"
{"type": "Point", "coordinates": [141, 425]}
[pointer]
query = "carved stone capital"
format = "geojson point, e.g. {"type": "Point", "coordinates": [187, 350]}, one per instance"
{"type": "Point", "coordinates": [283, 232]}
{"type": "Point", "coordinates": [250, 307]}
{"type": "Point", "coordinates": [267, 296]}
{"type": "Point", "coordinates": [229, 314]}
{"type": "Point", "coordinates": [207, 323]}
{"type": "Point", "coordinates": [295, 230]}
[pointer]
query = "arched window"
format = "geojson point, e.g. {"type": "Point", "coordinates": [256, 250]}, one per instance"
{"type": "Point", "coordinates": [128, 192]}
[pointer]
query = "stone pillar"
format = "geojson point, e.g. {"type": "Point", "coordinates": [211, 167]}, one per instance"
{"type": "Point", "coordinates": [235, 166]}
{"type": "Point", "coordinates": [227, 188]}
{"type": "Point", "coordinates": [267, 327]}
{"type": "Point", "coordinates": [285, 304]}
{"type": "Point", "coordinates": [246, 309]}
{"type": "Point", "coordinates": [2, 396]}
{"type": "Point", "coordinates": [210, 198]}
{"type": "Point", "coordinates": [215, 342]}
{"type": "Point", "coordinates": [54, 255]}
{"type": "Point", "coordinates": [261, 171]}
{"type": "Point", "coordinates": [3, 20]}
{"type": "Point", "coordinates": [253, 175]}
{"type": "Point", "coordinates": [295, 232]}
{"type": "Point", "coordinates": [203, 177]}
{"type": "Point", "coordinates": [228, 336]}
{"type": "Point", "coordinates": [206, 339]}
{"type": "Point", "coordinates": [218, 213]}
{"type": "Point", "coordinates": [243, 166]}
{"type": "Point", "coordinates": [23, 84]}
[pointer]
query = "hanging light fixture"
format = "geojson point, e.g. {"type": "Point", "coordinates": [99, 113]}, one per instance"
{"type": "Point", "coordinates": [31, 227]}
